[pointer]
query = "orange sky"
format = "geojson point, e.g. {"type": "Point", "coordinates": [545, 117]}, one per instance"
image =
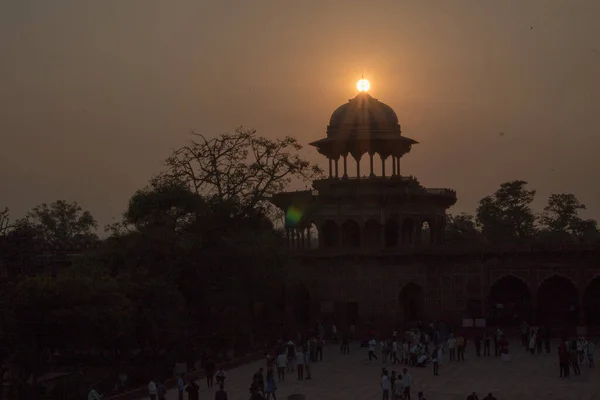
{"type": "Point", "coordinates": [95, 94]}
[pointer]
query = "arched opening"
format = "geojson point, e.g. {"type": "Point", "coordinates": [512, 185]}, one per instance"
{"type": "Point", "coordinates": [312, 240]}
{"type": "Point", "coordinates": [408, 228]}
{"type": "Point", "coordinates": [425, 233]}
{"type": "Point", "coordinates": [331, 234]}
{"type": "Point", "coordinates": [412, 300]}
{"type": "Point", "coordinates": [350, 234]}
{"type": "Point", "coordinates": [372, 234]}
{"type": "Point", "coordinates": [558, 301]}
{"type": "Point", "coordinates": [302, 305]}
{"type": "Point", "coordinates": [392, 233]}
{"type": "Point", "coordinates": [509, 302]}
{"type": "Point", "coordinates": [591, 302]}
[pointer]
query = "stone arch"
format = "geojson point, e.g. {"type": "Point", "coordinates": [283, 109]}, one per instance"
{"type": "Point", "coordinates": [408, 228]}
{"type": "Point", "coordinates": [591, 301]}
{"type": "Point", "coordinates": [392, 233]}
{"type": "Point", "coordinates": [301, 305]}
{"type": "Point", "coordinates": [412, 302]}
{"type": "Point", "coordinates": [331, 234]}
{"type": "Point", "coordinates": [312, 236]}
{"type": "Point", "coordinates": [509, 301]}
{"type": "Point", "coordinates": [558, 301]}
{"type": "Point", "coordinates": [350, 234]}
{"type": "Point", "coordinates": [372, 234]}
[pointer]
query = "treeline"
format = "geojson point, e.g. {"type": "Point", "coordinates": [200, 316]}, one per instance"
{"type": "Point", "coordinates": [507, 216]}
{"type": "Point", "coordinates": [195, 262]}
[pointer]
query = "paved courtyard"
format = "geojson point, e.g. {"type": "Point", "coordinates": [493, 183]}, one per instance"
{"type": "Point", "coordinates": [526, 377]}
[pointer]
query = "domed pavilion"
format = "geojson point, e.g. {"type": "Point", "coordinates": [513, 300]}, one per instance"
{"type": "Point", "coordinates": [363, 210]}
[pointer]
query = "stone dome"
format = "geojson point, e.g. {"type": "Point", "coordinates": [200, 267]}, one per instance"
{"type": "Point", "coordinates": [363, 113]}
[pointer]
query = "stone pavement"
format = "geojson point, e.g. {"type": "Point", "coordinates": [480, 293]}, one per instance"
{"type": "Point", "coordinates": [350, 377]}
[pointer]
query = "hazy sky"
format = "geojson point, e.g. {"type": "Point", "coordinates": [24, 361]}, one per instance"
{"type": "Point", "coordinates": [95, 94]}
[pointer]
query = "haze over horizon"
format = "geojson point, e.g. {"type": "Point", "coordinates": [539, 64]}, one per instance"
{"type": "Point", "coordinates": [95, 95]}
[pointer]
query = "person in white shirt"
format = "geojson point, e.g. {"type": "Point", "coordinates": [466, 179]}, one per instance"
{"type": "Point", "coordinates": [94, 395]}
{"type": "Point", "coordinates": [406, 382]}
{"type": "Point", "coordinates": [372, 345]}
{"type": "Point", "coordinates": [281, 366]}
{"type": "Point", "coordinates": [398, 389]}
{"type": "Point", "coordinates": [385, 386]}
{"type": "Point", "coordinates": [451, 348]}
{"type": "Point", "coordinates": [300, 360]}
{"type": "Point", "coordinates": [152, 391]}
{"type": "Point", "coordinates": [394, 355]}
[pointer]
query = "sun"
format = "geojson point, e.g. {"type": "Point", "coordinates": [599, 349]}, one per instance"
{"type": "Point", "coordinates": [363, 85]}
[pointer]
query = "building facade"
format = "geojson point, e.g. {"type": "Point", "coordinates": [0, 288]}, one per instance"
{"type": "Point", "coordinates": [371, 245]}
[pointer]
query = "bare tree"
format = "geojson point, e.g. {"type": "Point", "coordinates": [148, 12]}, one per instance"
{"type": "Point", "coordinates": [4, 222]}
{"type": "Point", "coordinates": [239, 167]}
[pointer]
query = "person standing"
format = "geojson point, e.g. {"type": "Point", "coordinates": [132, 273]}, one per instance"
{"type": "Point", "coordinates": [334, 334]}
{"type": "Point", "coordinates": [478, 342]}
{"type": "Point", "coordinates": [563, 360]}
{"type": "Point", "coordinates": [385, 386]}
{"type": "Point", "coordinates": [435, 360]}
{"type": "Point", "coordinates": [259, 380]}
{"type": "Point", "coordinates": [300, 360]}
{"type": "Point", "coordinates": [291, 356]}
{"type": "Point", "coordinates": [532, 343]}
{"type": "Point", "coordinates": [180, 386]}
{"type": "Point", "coordinates": [220, 376]}
{"type": "Point", "coordinates": [486, 344]}
{"type": "Point", "coordinates": [221, 394]}
{"type": "Point", "coordinates": [398, 388]}
{"type": "Point", "coordinates": [209, 369]}
{"type": "Point", "coordinates": [281, 365]}
{"type": "Point", "coordinates": [591, 350]}
{"type": "Point", "coordinates": [270, 387]}
{"type": "Point", "coordinates": [193, 391]}
{"type": "Point", "coordinates": [574, 358]}
{"type": "Point", "coordinates": [497, 338]}
{"type": "Point", "coordinates": [94, 395]}
{"type": "Point", "coordinates": [460, 347]}
{"type": "Point", "coordinates": [394, 357]}
{"type": "Point", "coordinates": [406, 382]}
{"type": "Point", "coordinates": [307, 366]}
{"type": "Point", "coordinates": [472, 396]}
{"type": "Point", "coordinates": [547, 337]}
{"type": "Point", "coordinates": [152, 392]}
{"type": "Point", "coordinates": [161, 390]}
{"type": "Point", "coordinates": [452, 348]}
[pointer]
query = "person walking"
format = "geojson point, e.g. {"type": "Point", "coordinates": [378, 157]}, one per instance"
{"type": "Point", "coordinates": [372, 346]}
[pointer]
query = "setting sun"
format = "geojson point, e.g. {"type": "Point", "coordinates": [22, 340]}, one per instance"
{"type": "Point", "coordinates": [363, 85]}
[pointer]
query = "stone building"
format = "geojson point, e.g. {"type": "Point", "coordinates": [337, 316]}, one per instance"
{"type": "Point", "coordinates": [371, 244]}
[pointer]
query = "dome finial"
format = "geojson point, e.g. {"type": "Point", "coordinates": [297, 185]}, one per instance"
{"type": "Point", "coordinates": [363, 84]}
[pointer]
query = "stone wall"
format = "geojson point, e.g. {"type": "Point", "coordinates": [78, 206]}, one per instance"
{"type": "Point", "coordinates": [452, 287]}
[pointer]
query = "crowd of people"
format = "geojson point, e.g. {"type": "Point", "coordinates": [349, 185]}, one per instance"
{"type": "Point", "coordinates": [415, 348]}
